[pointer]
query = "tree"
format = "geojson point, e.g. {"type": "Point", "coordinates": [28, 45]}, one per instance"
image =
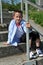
{"type": "Point", "coordinates": [33, 1]}
{"type": "Point", "coordinates": [12, 1]}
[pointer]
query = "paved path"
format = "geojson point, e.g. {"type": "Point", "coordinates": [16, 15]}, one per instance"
{"type": "Point", "coordinates": [17, 59]}
{"type": "Point", "coordinates": [13, 60]}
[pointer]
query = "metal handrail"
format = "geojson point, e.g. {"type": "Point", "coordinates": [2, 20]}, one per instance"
{"type": "Point", "coordinates": [34, 5]}
{"type": "Point", "coordinates": [36, 27]}
{"type": "Point", "coordinates": [27, 39]}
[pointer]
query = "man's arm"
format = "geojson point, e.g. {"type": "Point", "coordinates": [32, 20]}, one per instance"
{"type": "Point", "coordinates": [10, 30]}
{"type": "Point", "coordinates": [25, 25]}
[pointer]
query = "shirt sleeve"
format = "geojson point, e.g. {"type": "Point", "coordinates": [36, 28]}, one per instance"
{"type": "Point", "coordinates": [10, 30]}
{"type": "Point", "coordinates": [24, 25]}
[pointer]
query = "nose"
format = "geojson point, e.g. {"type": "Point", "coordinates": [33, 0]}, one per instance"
{"type": "Point", "coordinates": [18, 18]}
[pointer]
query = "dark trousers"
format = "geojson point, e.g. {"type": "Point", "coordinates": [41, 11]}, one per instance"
{"type": "Point", "coordinates": [33, 36]}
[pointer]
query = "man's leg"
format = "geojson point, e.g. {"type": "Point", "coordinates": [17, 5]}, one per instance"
{"type": "Point", "coordinates": [23, 38]}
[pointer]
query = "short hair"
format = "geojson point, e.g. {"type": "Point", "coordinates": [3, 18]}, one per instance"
{"type": "Point", "coordinates": [19, 11]}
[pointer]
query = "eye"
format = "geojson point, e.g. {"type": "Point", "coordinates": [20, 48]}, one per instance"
{"type": "Point", "coordinates": [17, 16]}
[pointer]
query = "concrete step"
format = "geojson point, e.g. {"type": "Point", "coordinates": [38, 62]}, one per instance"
{"type": "Point", "coordinates": [8, 50]}
{"type": "Point", "coordinates": [11, 54]}
{"type": "Point", "coordinates": [6, 15]}
{"type": "Point", "coordinates": [6, 20]}
{"type": "Point", "coordinates": [3, 32]}
{"type": "Point", "coordinates": [4, 36]}
{"type": "Point", "coordinates": [5, 10]}
{"type": "Point", "coordinates": [38, 61]}
{"type": "Point", "coordinates": [20, 59]}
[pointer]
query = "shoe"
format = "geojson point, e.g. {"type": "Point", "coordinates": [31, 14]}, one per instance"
{"type": "Point", "coordinates": [40, 55]}
{"type": "Point", "coordinates": [39, 52]}
{"type": "Point", "coordinates": [33, 55]}
{"type": "Point", "coordinates": [14, 44]}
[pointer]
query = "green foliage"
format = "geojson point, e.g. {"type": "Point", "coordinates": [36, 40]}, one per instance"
{"type": "Point", "coordinates": [12, 1]}
{"type": "Point", "coordinates": [33, 1]}
{"type": "Point", "coordinates": [5, 5]}
{"type": "Point", "coordinates": [31, 8]}
{"type": "Point", "coordinates": [11, 7]}
{"type": "Point", "coordinates": [37, 16]}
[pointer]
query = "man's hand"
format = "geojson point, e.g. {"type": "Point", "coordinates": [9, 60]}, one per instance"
{"type": "Point", "coordinates": [5, 43]}
{"type": "Point", "coordinates": [28, 25]}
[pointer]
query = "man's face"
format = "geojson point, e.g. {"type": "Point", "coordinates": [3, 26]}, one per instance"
{"type": "Point", "coordinates": [17, 17]}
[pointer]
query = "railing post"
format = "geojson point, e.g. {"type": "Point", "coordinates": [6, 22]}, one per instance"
{"type": "Point", "coordinates": [29, 62]}
{"type": "Point", "coordinates": [27, 34]}
{"type": "Point", "coordinates": [1, 11]}
{"type": "Point", "coordinates": [22, 5]}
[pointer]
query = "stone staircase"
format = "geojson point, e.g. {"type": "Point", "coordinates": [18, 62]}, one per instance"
{"type": "Point", "coordinates": [3, 33]}
{"type": "Point", "coordinates": [9, 50]}
{"type": "Point", "coordinates": [3, 28]}
{"type": "Point", "coordinates": [6, 16]}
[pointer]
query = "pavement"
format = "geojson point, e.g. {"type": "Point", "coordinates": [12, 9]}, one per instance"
{"type": "Point", "coordinates": [17, 59]}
